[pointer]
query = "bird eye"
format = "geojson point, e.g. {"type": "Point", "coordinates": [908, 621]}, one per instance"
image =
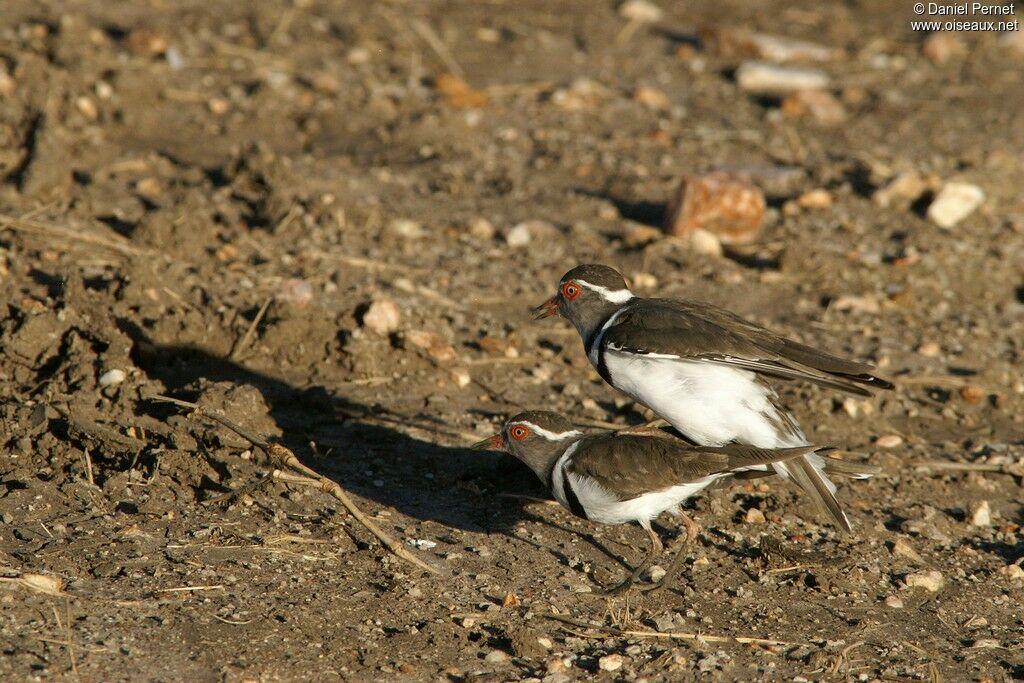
{"type": "Point", "coordinates": [519, 432]}
{"type": "Point", "coordinates": [571, 290]}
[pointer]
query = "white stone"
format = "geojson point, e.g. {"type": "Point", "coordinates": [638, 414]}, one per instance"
{"type": "Point", "coordinates": [519, 235]}
{"type": "Point", "coordinates": [981, 514]}
{"type": "Point", "coordinates": [894, 601]}
{"type": "Point", "coordinates": [495, 657]}
{"type": "Point", "coordinates": [409, 229]}
{"type": "Point", "coordinates": [461, 377]}
{"type": "Point", "coordinates": [641, 10]}
{"type": "Point", "coordinates": [112, 377]}
{"type": "Point", "coordinates": [610, 662]}
{"type": "Point", "coordinates": [954, 202]}
{"type": "Point", "coordinates": [705, 242]}
{"type": "Point", "coordinates": [889, 441]}
{"type": "Point", "coordinates": [930, 580]}
{"type": "Point", "coordinates": [772, 79]}
{"type": "Point", "coordinates": [382, 316]}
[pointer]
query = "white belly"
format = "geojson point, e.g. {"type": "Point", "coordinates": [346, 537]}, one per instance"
{"type": "Point", "coordinates": [601, 506]}
{"type": "Point", "coordinates": [711, 404]}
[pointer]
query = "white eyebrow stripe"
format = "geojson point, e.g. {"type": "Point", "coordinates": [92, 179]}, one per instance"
{"type": "Point", "coordinates": [619, 296]}
{"type": "Point", "coordinates": [551, 435]}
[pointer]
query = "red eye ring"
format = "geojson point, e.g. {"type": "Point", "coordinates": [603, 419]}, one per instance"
{"type": "Point", "coordinates": [571, 290]}
{"type": "Point", "coordinates": [519, 432]}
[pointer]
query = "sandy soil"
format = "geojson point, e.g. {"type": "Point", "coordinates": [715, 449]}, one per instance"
{"type": "Point", "coordinates": [169, 168]}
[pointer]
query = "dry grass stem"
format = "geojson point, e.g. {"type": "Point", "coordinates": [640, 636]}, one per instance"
{"type": "Point", "coordinates": [247, 337]}
{"type": "Point", "coordinates": [51, 232]}
{"type": "Point", "coordinates": [666, 635]}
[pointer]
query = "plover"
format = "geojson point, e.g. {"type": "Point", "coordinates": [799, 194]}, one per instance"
{"type": "Point", "coordinates": [703, 369]}
{"type": "Point", "coordinates": [615, 478]}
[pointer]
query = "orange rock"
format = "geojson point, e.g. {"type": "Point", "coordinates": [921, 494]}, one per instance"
{"type": "Point", "coordinates": [652, 98]}
{"type": "Point", "coordinates": [457, 93]}
{"type": "Point", "coordinates": [727, 207]}
{"type": "Point", "coordinates": [972, 393]}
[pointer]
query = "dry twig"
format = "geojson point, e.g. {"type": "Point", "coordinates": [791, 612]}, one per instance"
{"type": "Point", "coordinates": [666, 635]}
{"type": "Point", "coordinates": [247, 337]}
{"type": "Point", "coordinates": [431, 38]}
{"type": "Point", "coordinates": [1016, 470]}
{"type": "Point", "coordinates": [38, 228]}
{"type": "Point", "coordinates": [307, 477]}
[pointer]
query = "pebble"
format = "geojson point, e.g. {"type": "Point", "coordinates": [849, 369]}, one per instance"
{"type": "Point", "coordinates": [644, 281]}
{"type": "Point", "coordinates": [972, 393]}
{"type": "Point", "coordinates": [929, 349]}
{"type": "Point", "coordinates": [112, 377]}
{"type": "Point", "coordinates": [496, 657]}
{"type": "Point", "coordinates": [1014, 571]}
{"type": "Point", "coordinates": [295, 291]}
{"type": "Point", "coordinates": [641, 235]}
{"type": "Point", "coordinates": [889, 441]}
{"type": "Point", "coordinates": [656, 573]}
{"type": "Point", "coordinates": [87, 108]}
{"type": "Point", "coordinates": [382, 316]}
{"type": "Point", "coordinates": [149, 187]}
{"type": "Point", "coordinates": [421, 543]}
{"type": "Point", "coordinates": [7, 84]}
{"type": "Point", "coordinates": [906, 187]}
{"type": "Point", "coordinates": [652, 98]}
{"type": "Point", "coordinates": [518, 236]}
{"type": "Point", "coordinates": [857, 303]}
{"type": "Point", "coordinates": [754, 516]}
{"type": "Point", "coordinates": [981, 514]}
{"type": "Point", "coordinates": [901, 548]}
{"type": "Point", "coordinates": [218, 106]}
{"type": "Point", "coordinates": [406, 228]}
{"type": "Point", "coordinates": [704, 242]}
{"type": "Point", "coordinates": [555, 665]}
{"type": "Point", "coordinates": [482, 229]}
{"type": "Point", "coordinates": [461, 377]}
{"type": "Point", "coordinates": [815, 199]}
{"type": "Point", "coordinates": [772, 79]}
{"type": "Point", "coordinates": [610, 662]}
{"type": "Point", "coordinates": [358, 55]}
{"type": "Point", "coordinates": [730, 208]}
{"type": "Point", "coordinates": [737, 41]}
{"type": "Point", "coordinates": [435, 346]}
{"type": "Point", "coordinates": [986, 643]}
{"type": "Point", "coordinates": [641, 11]}
{"type": "Point", "coordinates": [819, 105]}
{"type": "Point", "coordinates": [955, 202]}
{"type": "Point", "coordinates": [894, 601]}
{"type": "Point", "coordinates": [929, 580]}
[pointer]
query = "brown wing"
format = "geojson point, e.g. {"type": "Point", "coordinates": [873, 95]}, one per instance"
{"type": "Point", "coordinates": [630, 465]}
{"type": "Point", "coordinates": [701, 331]}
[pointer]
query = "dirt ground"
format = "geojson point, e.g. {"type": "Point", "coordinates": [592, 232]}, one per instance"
{"type": "Point", "coordinates": [202, 200]}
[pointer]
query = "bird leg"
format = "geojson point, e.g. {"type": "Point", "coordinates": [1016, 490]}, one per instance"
{"type": "Point", "coordinates": [692, 531]}
{"type": "Point", "coordinates": [655, 550]}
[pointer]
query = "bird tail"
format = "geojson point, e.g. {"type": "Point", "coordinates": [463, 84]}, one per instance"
{"type": "Point", "coordinates": [809, 473]}
{"type": "Point", "coordinates": [853, 470]}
